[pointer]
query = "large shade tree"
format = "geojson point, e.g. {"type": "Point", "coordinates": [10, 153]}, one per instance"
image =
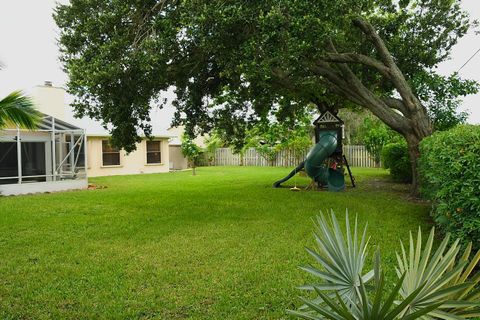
{"type": "Point", "coordinates": [232, 61]}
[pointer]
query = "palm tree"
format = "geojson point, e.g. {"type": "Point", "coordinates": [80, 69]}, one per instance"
{"type": "Point", "coordinates": [19, 110]}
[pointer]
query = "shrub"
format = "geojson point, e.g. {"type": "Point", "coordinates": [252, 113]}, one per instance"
{"type": "Point", "coordinates": [450, 177]}
{"type": "Point", "coordinates": [395, 158]}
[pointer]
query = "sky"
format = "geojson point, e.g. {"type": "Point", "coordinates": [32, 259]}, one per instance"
{"type": "Point", "coordinates": [29, 53]}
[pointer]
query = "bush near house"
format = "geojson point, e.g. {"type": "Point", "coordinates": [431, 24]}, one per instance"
{"type": "Point", "coordinates": [395, 158]}
{"type": "Point", "coordinates": [450, 170]}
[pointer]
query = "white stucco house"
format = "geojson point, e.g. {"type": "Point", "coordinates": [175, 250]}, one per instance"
{"type": "Point", "coordinates": [65, 151]}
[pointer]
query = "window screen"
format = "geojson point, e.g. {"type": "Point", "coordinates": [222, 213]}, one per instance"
{"type": "Point", "coordinates": [154, 154]}
{"type": "Point", "coordinates": [110, 154]}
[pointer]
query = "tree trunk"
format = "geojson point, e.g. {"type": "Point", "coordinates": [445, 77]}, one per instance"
{"type": "Point", "coordinates": [413, 144]}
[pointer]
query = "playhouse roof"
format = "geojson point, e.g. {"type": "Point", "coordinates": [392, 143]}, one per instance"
{"type": "Point", "coordinates": [327, 118]}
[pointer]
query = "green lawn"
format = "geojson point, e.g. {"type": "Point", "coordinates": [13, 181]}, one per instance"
{"type": "Point", "coordinates": [219, 245]}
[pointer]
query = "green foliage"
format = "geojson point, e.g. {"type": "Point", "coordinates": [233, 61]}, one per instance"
{"type": "Point", "coordinates": [375, 135]}
{"type": "Point", "coordinates": [265, 138]}
{"type": "Point", "coordinates": [18, 109]}
{"type": "Point", "coordinates": [212, 142]}
{"type": "Point", "coordinates": [441, 95]}
{"type": "Point", "coordinates": [343, 258]}
{"type": "Point", "coordinates": [190, 151]}
{"type": "Point", "coordinates": [353, 120]}
{"type": "Point", "coordinates": [395, 157]}
{"type": "Point", "coordinates": [298, 142]}
{"type": "Point", "coordinates": [270, 137]}
{"type": "Point", "coordinates": [430, 284]}
{"type": "Point", "coordinates": [450, 172]}
{"type": "Point", "coordinates": [438, 276]}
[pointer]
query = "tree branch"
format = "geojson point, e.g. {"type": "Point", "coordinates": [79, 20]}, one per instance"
{"type": "Point", "coordinates": [357, 58]}
{"type": "Point", "coordinates": [370, 32]}
{"type": "Point", "coordinates": [396, 104]}
{"type": "Point", "coordinates": [141, 33]}
{"type": "Point", "coordinates": [409, 100]}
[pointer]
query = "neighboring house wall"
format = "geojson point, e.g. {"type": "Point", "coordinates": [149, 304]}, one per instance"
{"type": "Point", "coordinates": [133, 163]}
{"type": "Point", "coordinates": [178, 132]}
{"type": "Point", "coordinates": [177, 160]}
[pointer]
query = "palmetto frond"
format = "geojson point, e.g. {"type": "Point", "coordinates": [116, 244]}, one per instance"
{"type": "Point", "coordinates": [18, 109]}
{"type": "Point", "coordinates": [341, 258]}
{"type": "Point", "coordinates": [443, 277]}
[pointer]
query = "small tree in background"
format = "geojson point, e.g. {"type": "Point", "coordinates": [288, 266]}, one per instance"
{"type": "Point", "coordinates": [190, 151]}
{"type": "Point", "coordinates": [375, 135]}
{"type": "Point", "coordinates": [265, 138]}
{"type": "Point", "coordinates": [299, 143]}
{"type": "Point", "coordinates": [353, 122]}
{"type": "Point", "coordinates": [293, 134]}
{"type": "Point", "coordinates": [213, 142]}
{"type": "Point", "coordinates": [299, 139]}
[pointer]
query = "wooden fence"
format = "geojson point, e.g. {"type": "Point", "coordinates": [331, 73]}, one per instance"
{"type": "Point", "coordinates": [357, 156]}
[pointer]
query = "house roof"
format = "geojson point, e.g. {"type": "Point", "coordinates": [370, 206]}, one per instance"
{"type": "Point", "coordinates": [95, 128]}
{"type": "Point", "coordinates": [51, 123]}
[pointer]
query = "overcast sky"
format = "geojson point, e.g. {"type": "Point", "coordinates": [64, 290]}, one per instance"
{"type": "Point", "coordinates": [29, 52]}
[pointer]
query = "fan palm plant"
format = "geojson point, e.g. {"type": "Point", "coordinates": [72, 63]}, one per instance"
{"type": "Point", "coordinates": [442, 276]}
{"type": "Point", "coordinates": [430, 285]}
{"type": "Point", "coordinates": [18, 109]}
{"type": "Point", "coordinates": [363, 307]}
{"type": "Point", "coordinates": [342, 258]}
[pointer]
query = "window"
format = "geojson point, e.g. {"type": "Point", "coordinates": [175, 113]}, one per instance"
{"type": "Point", "coordinates": [154, 154]}
{"type": "Point", "coordinates": [110, 154]}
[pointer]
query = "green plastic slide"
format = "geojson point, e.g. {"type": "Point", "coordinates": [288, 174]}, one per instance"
{"type": "Point", "coordinates": [314, 164]}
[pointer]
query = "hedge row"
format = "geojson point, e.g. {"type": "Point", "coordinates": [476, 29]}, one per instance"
{"type": "Point", "coordinates": [395, 158]}
{"type": "Point", "coordinates": [450, 176]}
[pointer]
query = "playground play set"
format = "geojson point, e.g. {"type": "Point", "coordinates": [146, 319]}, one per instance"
{"type": "Point", "coordinates": [325, 162]}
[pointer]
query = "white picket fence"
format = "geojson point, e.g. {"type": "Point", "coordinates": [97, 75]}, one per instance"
{"type": "Point", "coordinates": [357, 156]}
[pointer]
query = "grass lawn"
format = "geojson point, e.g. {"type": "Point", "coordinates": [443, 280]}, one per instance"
{"type": "Point", "coordinates": [220, 245]}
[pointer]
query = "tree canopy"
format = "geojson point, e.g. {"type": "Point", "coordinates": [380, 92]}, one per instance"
{"type": "Point", "coordinates": [230, 62]}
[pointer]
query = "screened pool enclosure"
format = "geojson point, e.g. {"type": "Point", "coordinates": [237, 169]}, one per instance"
{"type": "Point", "coordinates": [49, 158]}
